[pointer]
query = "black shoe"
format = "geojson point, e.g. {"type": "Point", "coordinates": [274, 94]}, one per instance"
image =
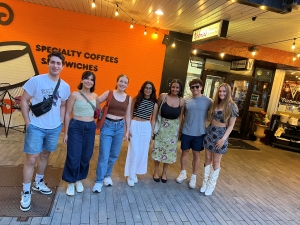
{"type": "Point", "coordinates": [163, 180]}
{"type": "Point", "coordinates": [156, 179]}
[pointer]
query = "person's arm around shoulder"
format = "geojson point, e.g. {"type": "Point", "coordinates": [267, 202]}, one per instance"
{"type": "Point", "coordinates": [128, 119]}
{"type": "Point", "coordinates": [103, 97]}
{"type": "Point", "coordinates": [69, 109]}
{"type": "Point", "coordinates": [25, 107]}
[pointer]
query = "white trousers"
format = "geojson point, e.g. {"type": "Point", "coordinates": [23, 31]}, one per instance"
{"type": "Point", "coordinates": [137, 155]}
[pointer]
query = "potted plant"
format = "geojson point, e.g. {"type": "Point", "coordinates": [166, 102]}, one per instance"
{"type": "Point", "coordinates": [262, 122]}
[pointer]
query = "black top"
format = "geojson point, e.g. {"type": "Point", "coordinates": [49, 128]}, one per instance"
{"type": "Point", "coordinates": [169, 112]}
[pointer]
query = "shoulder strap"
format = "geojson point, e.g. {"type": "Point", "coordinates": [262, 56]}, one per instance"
{"type": "Point", "coordinates": [109, 97]}
{"type": "Point", "coordinates": [162, 103]}
{"type": "Point", "coordinates": [56, 87]}
{"type": "Point", "coordinates": [87, 100]}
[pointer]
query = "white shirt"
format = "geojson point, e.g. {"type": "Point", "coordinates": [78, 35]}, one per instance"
{"type": "Point", "coordinates": [40, 87]}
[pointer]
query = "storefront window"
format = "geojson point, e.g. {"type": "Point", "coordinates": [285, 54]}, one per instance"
{"type": "Point", "coordinates": [289, 100]}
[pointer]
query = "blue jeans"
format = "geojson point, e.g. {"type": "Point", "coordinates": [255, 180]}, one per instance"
{"type": "Point", "coordinates": [38, 139]}
{"type": "Point", "coordinates": [80, 146]}
{"type": "Point", "coordinates": [111, 137]}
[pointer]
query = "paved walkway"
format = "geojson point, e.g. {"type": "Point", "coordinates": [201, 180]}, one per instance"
{"type": "Point", "coordinates": [255, 187]}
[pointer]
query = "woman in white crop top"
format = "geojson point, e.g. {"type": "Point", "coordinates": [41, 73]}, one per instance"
{"type": "Point", "coordinates": [80, 133]}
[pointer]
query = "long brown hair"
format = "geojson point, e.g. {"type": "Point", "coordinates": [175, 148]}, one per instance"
{"type": "Point", "coordinates": [228, 103]}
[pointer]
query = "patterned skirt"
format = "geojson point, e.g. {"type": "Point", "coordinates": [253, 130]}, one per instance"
{"type": "Point", "coordinates": [165, 144]}
{"type": "Point", "coordinates": [212, 135]}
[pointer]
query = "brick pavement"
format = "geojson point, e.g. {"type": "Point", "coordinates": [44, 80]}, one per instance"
{"type": "Point", "coordinates": [255, 187]}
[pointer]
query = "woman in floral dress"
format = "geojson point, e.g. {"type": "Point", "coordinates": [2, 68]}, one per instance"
{"type": "Point", "coordinates": [165, 145]}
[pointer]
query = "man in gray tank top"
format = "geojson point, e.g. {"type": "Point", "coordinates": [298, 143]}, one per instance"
{"type": "Point", "coordinates": [193, 131]}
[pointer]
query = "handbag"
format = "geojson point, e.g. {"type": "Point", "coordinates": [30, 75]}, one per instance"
{"type": "Point", "coordinates": [104, 110]}
{"type": "Point", "coordinates": [158, 118]}
{"type": "Point", "coordinates": [96, 111]}
{"type": "Point", "coordinates": [45, 106]}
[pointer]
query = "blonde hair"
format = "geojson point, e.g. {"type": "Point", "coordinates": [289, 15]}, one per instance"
{"type": "Point", "coordinates": [228, 103]}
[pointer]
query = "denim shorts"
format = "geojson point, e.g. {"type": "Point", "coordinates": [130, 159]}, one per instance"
{"type": "Point", "coordinates": [39, 139]}
{"type": "Point", "coordinates": [193, 142]}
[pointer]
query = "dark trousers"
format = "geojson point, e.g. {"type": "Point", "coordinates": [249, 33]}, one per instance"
{"type": "Point", "coordinates": [80, 146]}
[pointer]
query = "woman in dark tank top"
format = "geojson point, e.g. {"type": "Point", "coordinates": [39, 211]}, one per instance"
{"type": "Point", "coordinates": [113, 131]}
{"type": "Point", "coordinates": [165, 145]}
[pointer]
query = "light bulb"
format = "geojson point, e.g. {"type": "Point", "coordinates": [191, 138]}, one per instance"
{"type": "Point", "coordinates": [145, 32]}
{"type": "Point", "coordinates": [173, 45]}
{"type": "Point", "coordinates": [222, 54]}
{"type": "Point", "coordinates": [293, 46]}
{"type": "Point", "coordinates": [298, 55]}
{"type": "Point", "coordinates": [93, 4]}
{"type": "Point", "coordinates": [131, 26]}
{"type": "Point", "coordinates": [294, 58]}
{"type": "Point", "coordinates": [195, 51]}
{"type": "Point", "coordinates": [117, 12]}
{"type": "Point", "coordinates": [253, 53]}
{"type": "Point", "coordinates": [155, 34]}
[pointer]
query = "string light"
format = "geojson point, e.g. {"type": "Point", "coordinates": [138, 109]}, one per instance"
{"type": "Point", "coordinates": [131, 24]}
{"type": "Point", "coordinates": [117, 11]}
{"type": "Point", "coordinates": [145, 32]}
{"type": "Point", "coordinates": [294, 44]}
{"type": "Point", "coordinates": [173, 45]}
{"type": "Point", "coordinates": [93, 4]}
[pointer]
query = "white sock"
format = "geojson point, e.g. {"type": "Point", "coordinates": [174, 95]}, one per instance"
{"type": "Point", "coordinates": [38, 177]}
{"type": "Point", "coordinates": [26, 187]}
{"type": "Point", "coordinates": [183, 171]}
{"type": "Point", "coordinates": [193, 175]}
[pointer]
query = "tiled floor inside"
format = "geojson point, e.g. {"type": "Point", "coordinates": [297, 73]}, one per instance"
{"type": "Point", "coordinates": [255, 187]}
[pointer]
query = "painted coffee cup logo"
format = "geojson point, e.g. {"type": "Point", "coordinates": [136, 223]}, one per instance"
{"type": "Point", "coordinates": [16, 62]}
{"type": "Point", "coordinates": [6, 17]}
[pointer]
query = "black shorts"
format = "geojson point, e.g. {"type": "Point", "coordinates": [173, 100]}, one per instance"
{"type": "Point", "coordinates": [193, 142]}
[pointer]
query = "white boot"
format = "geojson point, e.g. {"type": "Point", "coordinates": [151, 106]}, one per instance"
{"type": "Point", "coordinates": [212, 181]}
{"type": "Point", "coordinates": [206, 175]}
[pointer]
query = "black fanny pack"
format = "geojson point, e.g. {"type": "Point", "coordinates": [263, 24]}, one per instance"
{"type": "Point", "coordinates": [44, 106]}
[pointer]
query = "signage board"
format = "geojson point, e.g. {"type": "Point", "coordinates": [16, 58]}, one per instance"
{"type": "Point", "coordinates": [263, 74]}
{"type": "Point", "coordinates": [211, 32]}
{"type": "Point", "coordinates": [244, 64]}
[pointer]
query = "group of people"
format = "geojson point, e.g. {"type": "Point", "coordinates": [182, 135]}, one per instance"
{"type": "Point", "coordinates": [126, 119]}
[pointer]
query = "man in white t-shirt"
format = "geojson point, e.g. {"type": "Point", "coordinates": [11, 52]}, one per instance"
{"type": "Point", "coordinates": [42, 132]}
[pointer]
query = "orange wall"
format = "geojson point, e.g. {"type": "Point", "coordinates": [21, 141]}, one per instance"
{"type": "Point", "coordinates": [140, 57]}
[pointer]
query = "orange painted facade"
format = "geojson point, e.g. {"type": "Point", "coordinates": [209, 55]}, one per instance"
{"type": "Point", "coordinates": [107, 47]}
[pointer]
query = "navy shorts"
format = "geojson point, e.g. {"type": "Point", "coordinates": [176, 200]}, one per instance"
{"type": "Point", "coordinates": [193, 142]}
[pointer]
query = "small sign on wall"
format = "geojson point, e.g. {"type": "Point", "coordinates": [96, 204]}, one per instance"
{"type": "Point", "coordinates": [245, 64]}
{"type": "Point", "coordinates": [263, 74]}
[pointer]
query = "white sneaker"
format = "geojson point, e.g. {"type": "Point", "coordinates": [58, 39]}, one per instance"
{"type": "Point", "coordinates": [108, 181]}
{"type": "Point", "coordinates": [79, 186]}
{"type": "Point", "coordinates": [41, 187]}
{"type": "Point", "coordinates": [70, 189]}
{"type": "Point", "coordinates": [25, 202]}
{"type": "Point", "coordinates": [97, 187]}
{"type": "Point", "coordinates": [181, 177]}
{"type": "Point", "coordinates": [135, 179]}
{"type": "Point", "coordinates": [130, 182]}
{"type": "Point", "coordinates": [192, 183]}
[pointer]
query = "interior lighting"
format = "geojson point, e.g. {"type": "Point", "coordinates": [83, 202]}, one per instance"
{"type": "Point", "coordinates": [145, 32]}
{"type": "Point", "coordinates": [159, 12]}
{"type": "Point", "coordinates": [294, 44]}
{"type": "Point", "coordinates": [253, 52]}
{"type": "Point", "coordinates": [93, 4]}
{"type": "Point", "coordinates": [195, 51]}
{"type": "Point", "coordinates": [117, 11]}
{"type": "Point", "coordinates": [294, 58]}
{"type": "Point", "coordinates": [298, 55]}
{"type": "Point", "coordinates": [222, 54]}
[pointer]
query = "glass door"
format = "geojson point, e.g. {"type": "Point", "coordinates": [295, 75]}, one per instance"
{"type": "Point", "coordinates": [212, 82]}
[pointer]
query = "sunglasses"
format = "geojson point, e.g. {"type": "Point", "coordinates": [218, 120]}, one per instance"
{"type": "Point", "coordinates": [196, 86]}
